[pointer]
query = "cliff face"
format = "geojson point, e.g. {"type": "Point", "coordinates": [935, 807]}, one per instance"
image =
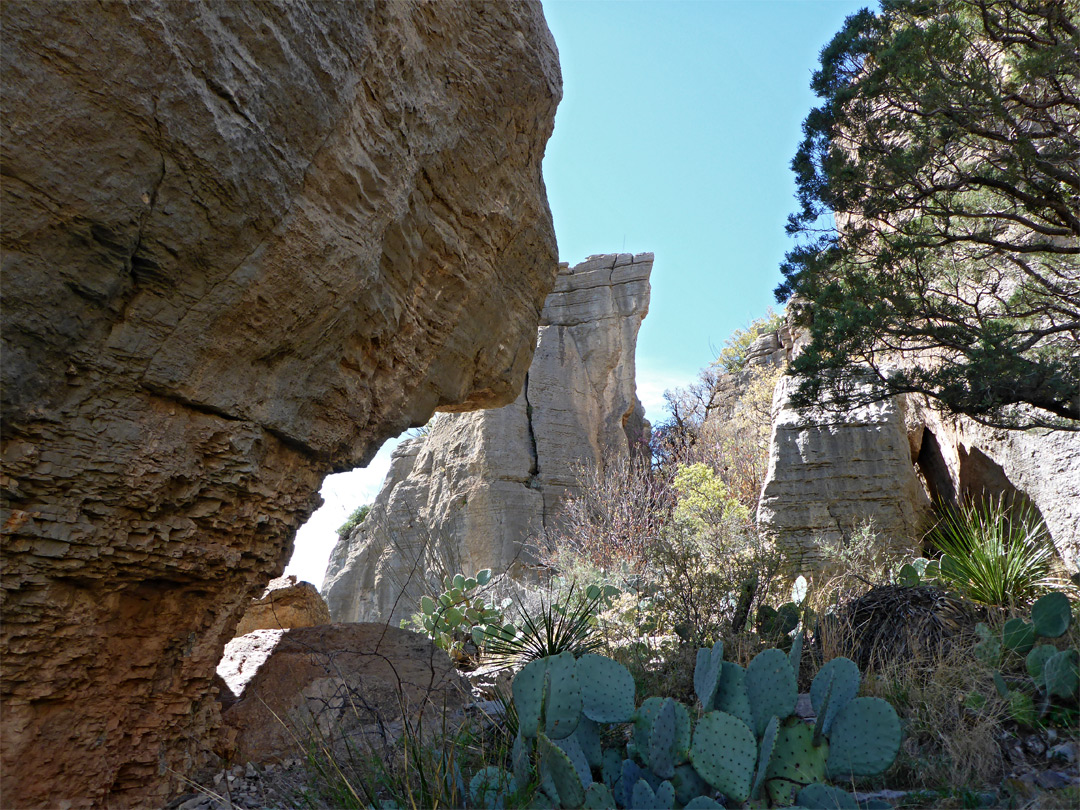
{"type": "Point", "coordinates": [243, 244]}
{"type": "Point", "coordinates": [469, 494]}
{"type": "Point", "coordinates": [884, 463]}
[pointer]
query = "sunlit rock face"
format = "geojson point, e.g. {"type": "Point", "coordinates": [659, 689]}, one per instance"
{"type": "Point", "coordinates": [884, 465]}
{"type": "Point", "coordinates": [242, 245]}
{"type": "Point", "coordinates": [481, 486]}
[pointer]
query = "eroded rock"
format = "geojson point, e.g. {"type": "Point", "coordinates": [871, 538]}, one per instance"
{"type": "Point", "coordinates": [284, 604]}
{"type": "Point", "coordinates": [360, 682]}
{"type": "Point", "coordinates": [480, 485]}
{"type": "Point", "coordinates": [243, 244]}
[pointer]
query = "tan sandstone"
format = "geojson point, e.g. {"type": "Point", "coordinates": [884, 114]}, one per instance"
{"type": "Point", "coordinates": [243, 244]}
{"type": "Point", "coordinates": [331, 684]}
{"type": "Point", "coordinates": [480, 486]}
{"type": "Point", "coordinates": [284, 604]}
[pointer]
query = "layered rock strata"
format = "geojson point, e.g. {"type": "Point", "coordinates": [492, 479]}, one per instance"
{"type": "Point", "coordinates": [885, 464]}
{"type": "Point", "coordinates": [243, 244]}
{"type": "Point", "coordinates": [472, 492]}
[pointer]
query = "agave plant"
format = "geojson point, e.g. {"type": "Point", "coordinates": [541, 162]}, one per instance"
{"type": "Point", "coordinates": [995, 553]}
{"type": "Point", "coordinates": [558, 625]}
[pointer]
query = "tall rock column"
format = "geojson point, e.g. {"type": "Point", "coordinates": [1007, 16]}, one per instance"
{"type": "Point", "coordinates": [480, 485]}
{"type": "Point", "coordinates": [243, 243]}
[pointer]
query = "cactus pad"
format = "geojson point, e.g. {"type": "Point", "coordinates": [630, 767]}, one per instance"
{"type": "Point", "coordinates": [598, 797]}
{"type": "Point", "coordinates": [1051, 615]}
{"type": "Point", "coordinates": [607, 689]}
{"type": "Point", "coordinates": [631, 774]}
{"type": "Point", "coordinates": [707, 673]}
{"type": "Point", "coordinates": [528, 690]}
{"type": "Point", "coordinates": [1018, 635]}
{"type": "Point", "coordinates": [1036, 662]}
{"type": "Point", "coordinates": [572, 748]}
{"type": "Point", "coordinates": [768, 742]}
{"type": "Point", "coordinates": [489, 787]}
{"type": "Point", "coordinates": [731, 697]}
{"type": "Point", "coordinates": [562, 697]}
{"type": "Point", "coordinates": [703, 803]}
{"type": "Point", "coordinates": [864, 739]}
{"type": "Point", "coordinates": [665, 796]}
{"type": "Point", "coordinates": [825, 797]}
{"type": "Point", "coordinates": [1062, 674]}
{"type": "Point", "coordinates": [771, 687]}
{"type": "Point", "coordinates": [662, 741]}
{"type": "Point", "coordinates": [838, 681]}
{"type": "Point", "coordinates": [562, 774]}
{"type": "Point", "coordinates": [642, 797]}
{"type": "Point", "coordinates": [588, 737]}
{"type": "Point", "coordinates": [724, 752]}
{"type": "Point", "coordinates": [520, 756]}
{"type": "Point", "coordinates": [796, 762]}
{"type": "Point", "coordinates": [687, 784]}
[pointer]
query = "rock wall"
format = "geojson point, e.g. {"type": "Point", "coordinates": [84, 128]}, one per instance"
{"type": "Point", "coordinates": [829, 474]}
{"type": "Point", "coordinates": [886, 462]}
{"type": "Point", "coordinates": [479, 485]}
{"type": "Point", "coordinates": [242, 245]}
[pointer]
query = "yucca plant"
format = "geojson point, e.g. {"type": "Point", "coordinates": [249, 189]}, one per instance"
{"type": "Point", "coordinates": [566, 624]}
{"type": "Point", "coordinates": [995, 553]}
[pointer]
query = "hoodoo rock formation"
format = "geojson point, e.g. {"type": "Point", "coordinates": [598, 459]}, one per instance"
{"type": "Point", "coordinates": [243, 244]}
{"type": "Point", "coordinates": [472, 492]}
{"type": "Point", "coordinates": [887, 463]}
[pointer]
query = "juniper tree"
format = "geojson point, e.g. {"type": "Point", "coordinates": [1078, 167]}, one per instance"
{"type": "Point", "coordinates": [939, 219]}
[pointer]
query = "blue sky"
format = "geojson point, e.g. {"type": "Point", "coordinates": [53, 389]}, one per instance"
{"type": "Point", "coordinates": [678, 123]}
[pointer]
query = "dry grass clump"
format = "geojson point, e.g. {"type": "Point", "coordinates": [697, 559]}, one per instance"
{"type": "Point", "coordinates": [949, 737]}
{"type": "Point", "coordinates": [894, 623]}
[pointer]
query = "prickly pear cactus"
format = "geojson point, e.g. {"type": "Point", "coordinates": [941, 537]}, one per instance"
{"type": "Point", "coordinates": [864, 740]}
{"type": "Point", "coordinates": [607, 689]}
{"type": "Point", "coordinates": [771, 688]}
{"type": "Point", "coordinates": [707, 673]}
{"type": "Point", "coordinates": [562, 696]}
{"type": "Point", "coordinates": [724, 752]}
{"type": "Point", "coordinates": [1051, 615]}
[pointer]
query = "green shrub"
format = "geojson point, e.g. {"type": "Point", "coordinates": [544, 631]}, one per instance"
{"type": "Point", "coordinates": [355, 519]}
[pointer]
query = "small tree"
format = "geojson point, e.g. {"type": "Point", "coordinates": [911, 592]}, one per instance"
{"type": "Point", "coordinates": [939, 184]}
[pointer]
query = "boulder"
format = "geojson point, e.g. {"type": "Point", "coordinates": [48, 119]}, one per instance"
{"type": "Point", "coordinates": [284, 604]}
{"type": "Point", "coordinates": [479, 486]}
{"type": "Point", "coordinates": [357, 682]}
{"type": "Point", "coordinates": [243, 244]}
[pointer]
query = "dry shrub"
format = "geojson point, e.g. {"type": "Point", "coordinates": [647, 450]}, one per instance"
{"type": "Point", "coordinates": [610, 521]}
{"type": "Point", "coordinates": [894, 623]}
{"type": "Point", "coordinates": [947, 740]}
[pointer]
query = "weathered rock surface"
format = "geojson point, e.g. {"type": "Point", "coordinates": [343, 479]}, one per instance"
{"type": "Point", "coordinates": [470, 494]}
{"type": "Point", "coordinates": [831, 473]}
{"type": "Point", "coordinates": [284, 604]}
{"type": "Point", "coordinates": [242, 244]}
{"type": "Point", "coordinates": [960, 459]}
{"type": "Point", "coordinates": [885, 463]}
{"type": "Point", "coordinates": [355, 681]}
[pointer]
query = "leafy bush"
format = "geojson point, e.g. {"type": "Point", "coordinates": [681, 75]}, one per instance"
{"type": "Point", "coordinates": [732, 357]}
{"type": "Point", "coordinates": [995, 554]}
{"type": "Point", "coordinates": [355, 519]}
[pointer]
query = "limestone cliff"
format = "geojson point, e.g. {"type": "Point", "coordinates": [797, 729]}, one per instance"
{"type": "Point", "coordinates": [243, 244]}
{"type": "Point", "coordinates": [469, 494]}
{"type": "Point", "coordinates": [885, 462]}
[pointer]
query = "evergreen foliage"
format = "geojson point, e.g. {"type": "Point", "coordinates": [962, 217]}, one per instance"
{"type": "Point", "coordinates": [939, 190]}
